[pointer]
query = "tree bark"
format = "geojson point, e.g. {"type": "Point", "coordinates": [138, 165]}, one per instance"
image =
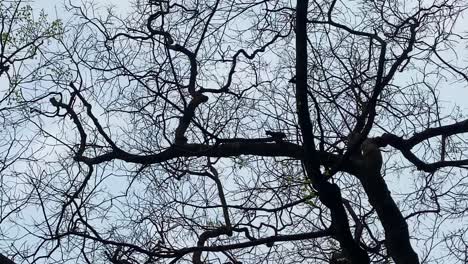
{"type": "Point", "coordinates": [397, 239]}
{"type": "Point", "coordinates": [5, 260]}
{"type": "Point", "coordinates": [328, 193]}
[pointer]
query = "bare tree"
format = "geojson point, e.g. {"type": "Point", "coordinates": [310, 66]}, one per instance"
{"type": "Point", "coordinates": [251, 132]}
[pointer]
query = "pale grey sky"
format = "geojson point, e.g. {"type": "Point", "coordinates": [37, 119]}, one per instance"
{"type": "Point", "coordinates": [450, 91]}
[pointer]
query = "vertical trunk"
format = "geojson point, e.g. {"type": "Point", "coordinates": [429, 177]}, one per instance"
{"type": "Point", "coordinates": [329, 193]}
{"type": "Point", "coordinates": [397, 237]}
{"type": "Point", "coordinates": [330, 196]}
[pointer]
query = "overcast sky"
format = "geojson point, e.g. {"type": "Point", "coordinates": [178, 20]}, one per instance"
{"type": "Point", "coordinates": [451, 92]}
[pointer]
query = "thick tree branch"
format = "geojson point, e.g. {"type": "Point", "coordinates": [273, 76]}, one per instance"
{"type": "Point", "coordinates": [329, 193]}
{"type": "Point", "coordinates": [405, 145]}
{"type": "Point", "coordinates": [397, 237]}
{"type": "Point", "coordinates": [5, 260]}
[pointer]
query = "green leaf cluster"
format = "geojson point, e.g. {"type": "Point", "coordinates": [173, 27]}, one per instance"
{"type": "Point", "coordinates": [25, 30]}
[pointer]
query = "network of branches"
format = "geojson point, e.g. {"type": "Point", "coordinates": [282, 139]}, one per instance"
{"type": "Point", "coordinates": [253, 131]}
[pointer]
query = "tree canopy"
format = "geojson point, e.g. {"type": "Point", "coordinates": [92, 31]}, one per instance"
{"type": "Point", "coordinates": [253, 131]}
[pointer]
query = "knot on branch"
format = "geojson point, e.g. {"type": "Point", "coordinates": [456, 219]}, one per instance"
{"type": "Point", "coordinates": [329, 194]}
{"type": "Point", "coordinates": [199, 98]}
{"type": "Point", "coordinates": [4, 68]}
{"type": "Point", "coordinates": [57, 102]}
{"type": "Point", "coordinates": [371, 155]}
